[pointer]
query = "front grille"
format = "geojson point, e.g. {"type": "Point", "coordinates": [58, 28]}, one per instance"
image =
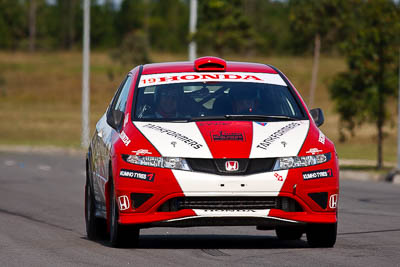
{"type": "Point", "coordinates": [230, 203]}
{"type": "Point", "coordinates": [227, 203]}
{"type": "Point", "coordinates": [246, 166]}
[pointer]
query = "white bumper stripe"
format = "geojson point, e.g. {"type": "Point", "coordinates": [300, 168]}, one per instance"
{"type": "Point", "coordinates": [195, 183]}
{"type": "Point", "coordinates": [225, 215]}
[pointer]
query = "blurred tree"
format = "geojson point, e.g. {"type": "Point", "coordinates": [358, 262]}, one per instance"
{"type": "Point", "coordinates": [360, 94]}
{"type": "Point", "coordinates": [168, 25]}
{"type": "Point", "coordinates": [103, 32]}
{"type": "Point", "coordinates": [133, 50]}
{"type": "Point", "coordinates": [270, 20]}
{"type": "Point", "coordinates": [131, 24]}
{"type": "Point", "coordinates": [32, 25]}
{"type": "Point", "coordinates": [130, 17]}
{"type": "Point", "coordinates": [59, 24]}
{"type": "Point", "coordinates": [47, 27]}
{"type": "Point", "coordinates": [68, 10]}
{"type": "Point", "coordinates": [3, 91]}
{"type": "Point", "coordinates": [13, 26]}
{"type": "Point", "coordinates": [222, 27]}
{"type": "Point", "coordinates": [316, 20]}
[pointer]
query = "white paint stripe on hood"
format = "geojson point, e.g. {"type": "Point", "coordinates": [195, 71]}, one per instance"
{"type": "Point", "coordinates": [278, 139]}
{"type": "Point", "coordinates": [175, 139]}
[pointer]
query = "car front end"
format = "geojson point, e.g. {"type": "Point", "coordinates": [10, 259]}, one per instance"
{"type": "Point", "coordinates": [225, 144]}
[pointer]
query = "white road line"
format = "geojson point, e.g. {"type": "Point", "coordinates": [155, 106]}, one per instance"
{"type": "Point", "coordinates": [10, 162]}
{"type": "Point", "coordinates": [44, 167]}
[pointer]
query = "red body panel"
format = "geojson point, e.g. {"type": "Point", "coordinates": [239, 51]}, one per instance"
{"type": "Point", "coordinates": [214, 131]}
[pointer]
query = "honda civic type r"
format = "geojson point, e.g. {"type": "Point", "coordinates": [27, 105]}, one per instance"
{"type": "Point", "coordinates": [211, 143]}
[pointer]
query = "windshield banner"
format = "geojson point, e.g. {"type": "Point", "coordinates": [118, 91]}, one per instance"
{"type": "Point", "coordinates": [185, 77]}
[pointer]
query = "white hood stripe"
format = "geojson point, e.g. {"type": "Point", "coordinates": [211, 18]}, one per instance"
{"type": "Point", "coordinates": [278, 139]}
{"type": "Point", "coordinates": [175, 139]}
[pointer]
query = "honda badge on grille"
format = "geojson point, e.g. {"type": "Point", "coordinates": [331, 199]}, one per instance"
{"type": "Point", "coordinates": [231, 165]}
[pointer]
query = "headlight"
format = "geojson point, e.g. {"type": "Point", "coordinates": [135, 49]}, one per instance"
{"type": "Point", "coordinates": [297, 162]}
{"type": "Point", "coordinates": [160, 162]}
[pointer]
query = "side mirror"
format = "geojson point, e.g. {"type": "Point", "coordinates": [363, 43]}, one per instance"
{"type": "Point", "coordinates": [114, 118]}
{"type": "Point", "coordinates": [318, 116]}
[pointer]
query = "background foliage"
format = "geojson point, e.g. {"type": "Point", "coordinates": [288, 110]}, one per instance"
{"type": "Point", "coordinates": [362, 92]}
{"type": "Point", "coordinates": [258, 26]}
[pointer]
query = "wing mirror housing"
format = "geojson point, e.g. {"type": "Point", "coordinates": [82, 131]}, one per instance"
{"type": "Point", "coordinates": [318, 116]}
{"type": "Point", "coordinates": [115, 118]}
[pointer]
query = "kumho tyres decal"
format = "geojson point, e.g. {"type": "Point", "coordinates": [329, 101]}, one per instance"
{"type": "Point", "coordinates": [175, 139]}
{"type": "Point", "coordinates": [317, 174]}
{"type": "Point", "coordinates": [144, 176]}
{"type": "Point", "coordinates": [185, 77]}
{"type": "Point", "coordinates": [278, 139]}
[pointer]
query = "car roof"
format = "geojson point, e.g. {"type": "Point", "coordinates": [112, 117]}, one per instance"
{"type": "Point", "coordinates": [188, 66]}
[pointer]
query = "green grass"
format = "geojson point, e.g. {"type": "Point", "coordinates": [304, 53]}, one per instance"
{"type": "Point", "coordinates": [40, 99]}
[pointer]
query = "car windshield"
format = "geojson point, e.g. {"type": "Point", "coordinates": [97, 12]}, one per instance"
{"type": "Point", "coordinates": [215, 101]}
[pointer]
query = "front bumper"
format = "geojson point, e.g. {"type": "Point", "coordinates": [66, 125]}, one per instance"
{"type": "Point", "coordinates": [221, 217]}
{"type": "Point", "coordinates": [171, 184]}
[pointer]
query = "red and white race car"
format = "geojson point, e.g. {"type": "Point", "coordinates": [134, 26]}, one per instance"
{"type": "Point", "coordinates": [211, 143]}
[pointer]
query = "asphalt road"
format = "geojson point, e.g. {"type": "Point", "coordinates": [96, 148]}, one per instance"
{"type": "Point", "coordinates": [42, 224]}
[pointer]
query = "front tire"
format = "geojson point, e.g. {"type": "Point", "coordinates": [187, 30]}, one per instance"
{"type": "Point", "coordinates": [322, 235]}
{"type": "Point", "coordinates": [95, 227]}
{"type": "Point", "coordinates": [120, 235]}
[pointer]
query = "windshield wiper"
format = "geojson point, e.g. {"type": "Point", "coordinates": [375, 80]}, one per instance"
{"type": "Point", "coordinates": [208, 118]}
{"type": "Point", "coordinates": [261, 117]}
{"type": "Point", "coordinates": [245, 117]}
{"type": "Point", "coordinates": [161, 120]}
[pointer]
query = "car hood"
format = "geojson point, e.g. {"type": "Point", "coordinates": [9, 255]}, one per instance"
{"type": "Point", "coordinates": [226, 139]}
